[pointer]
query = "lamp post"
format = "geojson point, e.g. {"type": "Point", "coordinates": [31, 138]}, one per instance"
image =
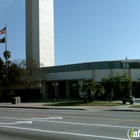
{"type": "Point", "coordinates": [55, 84]}
{"type": "Point", "coordinates": [6, 87]}
{"type": "Point", "coordinates": [38, 86]}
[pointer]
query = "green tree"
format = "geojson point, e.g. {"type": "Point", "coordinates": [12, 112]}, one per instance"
{"type": "Point", "coordinates": [121, 84]}
{"type": "Point", "coordinates": [27, 72]}
{"type": "Point", "coordinates": [7, 54]}
{"type": "Point", "coordinates": [1, 69]}
{"type": "Point", "coordinates": [108, 84]}
{"type": "Point", "coordinates": [14, 72]}
{"type": "Point", "coordinates": [127, 84]}
{"type": "Point", "coordinates": [88, 87]}
{"type": "Point", "coordinates": [98, 89]}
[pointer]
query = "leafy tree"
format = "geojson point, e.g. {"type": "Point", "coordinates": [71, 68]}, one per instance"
{"type": "Point", "coordinates": [14, 72]}
{"type": "Point", "coordinates": [76, 87]}
{"type": "Point", "coordinates": [120, 84]}
{"type": "Point", "coordinates": [98, 89]}
{"type": "Point", "coordinates": [27, 72]}
{"type": "Point", "coordinates": [75, 90]}
{"type": "Point", "coordinates": [127, 83]}
{"type": "Point", "coordinates": [1, 69]}
{"type": "Point", "coordinates": [108, 84]}
{"type": "Point", "coordinates": [7, 55]}
{"type": "Point", "coordinates": [88, 87]}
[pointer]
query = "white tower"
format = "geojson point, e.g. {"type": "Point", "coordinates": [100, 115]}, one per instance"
{"type": "Point", "coordinates": [40, 31]}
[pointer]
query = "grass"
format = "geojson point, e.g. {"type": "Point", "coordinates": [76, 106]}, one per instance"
{"type": "Point", "coordinates": [135, 106]}
{"type": "Point", "coordinates": [81, 103]}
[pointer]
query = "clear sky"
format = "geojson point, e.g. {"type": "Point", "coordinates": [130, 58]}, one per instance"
{"type": "Point", "coordinates": [85, 30]}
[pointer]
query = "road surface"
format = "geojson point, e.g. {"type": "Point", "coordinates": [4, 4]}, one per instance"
{"type": "Point", "coordinates": [47, 124]}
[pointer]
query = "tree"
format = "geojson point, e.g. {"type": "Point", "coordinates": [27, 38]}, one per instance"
{"type": "Point", "coordinates": [76, 87]}
{"type": "Point", "coordinates": [7, 54]}
{"type": "Point", "coordinates": [27, 72]}
{"type": "Point", "coordinates": [127, 84]}
{"type": "Point", "coordinates": [75, 90]}
{"type": "Point", "coordinates": [1, 69]}
{"type": "Point", "coordinates": [120, 84]}
{"type": "Point", "coordinates": [108, 84]}
{"type": "Point", "coordinates": [98, 89]}
{"type": "Point", "coordinates": [14, 72]}
{"type": "Point", "coordinates": [88, 87]}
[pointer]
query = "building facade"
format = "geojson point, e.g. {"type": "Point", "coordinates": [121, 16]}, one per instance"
{"type": "Point", "coordinates": [59, 79]}
{"type": "Point", "coordinates": [67, 75]}
{"type": "Point", "coordinates": [40, 31]}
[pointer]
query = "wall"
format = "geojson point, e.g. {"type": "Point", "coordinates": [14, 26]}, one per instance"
{"type": "Point", "coordinates": [100, 74]}
{"type": "Point", "coordinates": [135, 74]}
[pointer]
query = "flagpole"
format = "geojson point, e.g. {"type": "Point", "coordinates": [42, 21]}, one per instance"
{"type": "Point", "coordinates": [6, 38]}
{"type": "Point", "coordinates": [6, 59]}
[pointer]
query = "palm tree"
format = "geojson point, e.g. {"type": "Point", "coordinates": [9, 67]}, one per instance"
{"type": "Point", "coordinates": [7, 54]}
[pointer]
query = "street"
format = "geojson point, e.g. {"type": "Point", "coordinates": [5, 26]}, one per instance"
{"type": "Point", "coordinates": [40, 124]}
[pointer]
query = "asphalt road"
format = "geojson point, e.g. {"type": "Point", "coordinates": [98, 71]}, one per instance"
{"type": "Point", "coordinates": [46, 124]}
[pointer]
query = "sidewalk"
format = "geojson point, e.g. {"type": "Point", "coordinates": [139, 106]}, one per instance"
{"type": "Point", "coordinates": [91, 108]}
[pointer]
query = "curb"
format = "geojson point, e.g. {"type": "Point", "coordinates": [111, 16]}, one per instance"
{"type": "Point", "coordinates": [128, 110]}
{"type": "Point", "coordinates": [64, 108]}
{"type": "Point", "coordinates": [27, 107]}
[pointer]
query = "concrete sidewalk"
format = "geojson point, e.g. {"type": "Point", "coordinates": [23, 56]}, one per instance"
{"type": "Point", "coordinates": [92, 108]}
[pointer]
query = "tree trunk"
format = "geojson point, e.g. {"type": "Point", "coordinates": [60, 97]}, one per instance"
{"type": "Point", "coordinates": [89, 95]}
{"type": "Point", "coordinates": [94, 97]}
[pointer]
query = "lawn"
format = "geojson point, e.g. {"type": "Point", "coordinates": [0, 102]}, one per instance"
{"type": "Point", "coordinates": [81, 103]}
{"type": "Point", "coordinates": [135, 106]}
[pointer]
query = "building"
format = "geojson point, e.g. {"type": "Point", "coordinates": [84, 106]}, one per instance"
{"type": "Point", "coordinates": [40, 31]}
{"type": "Point", "coordinates": [66, 75]}
{"type": "Point", "coordinates": [58, 80]}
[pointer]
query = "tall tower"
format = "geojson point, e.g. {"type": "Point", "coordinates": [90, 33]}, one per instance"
{"type": "Point", "coordinates": [40, 31]}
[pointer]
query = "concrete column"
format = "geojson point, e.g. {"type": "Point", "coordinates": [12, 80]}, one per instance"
{"type": "Point", "coordinates": [129, 73]}
{"type": "Point", "coordinates": [43, 90]}
{"type": "Point", "coordinates": [57, 91]}
{"type": "Point", "coordinates": [81, 83]}
{"type": "Point", "coordinates": [47, 92]}
{"type": "Point", "coordinates": [67, 90]}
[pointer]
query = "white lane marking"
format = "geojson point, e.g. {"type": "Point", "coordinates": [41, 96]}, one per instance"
{"type": "Point", "coordinates": [72, 123]}
{"type": "Point", "coordinates": [19, 109]}
{"type": "Point", "coordinates": [47, 118]}
{"type": "Point", "coordinates": [17, 122]}
{"type": "Point", "coordinates": [70, 113]}
{"type": "Point", "coordinates": [64, 133]}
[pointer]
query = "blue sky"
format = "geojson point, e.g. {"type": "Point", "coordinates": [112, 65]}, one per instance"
{"type": "Point", "coordinates": [85, 30]}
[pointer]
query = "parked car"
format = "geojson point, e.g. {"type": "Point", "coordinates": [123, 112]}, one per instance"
{"type": "Point", "coordinates": [129, 99]}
